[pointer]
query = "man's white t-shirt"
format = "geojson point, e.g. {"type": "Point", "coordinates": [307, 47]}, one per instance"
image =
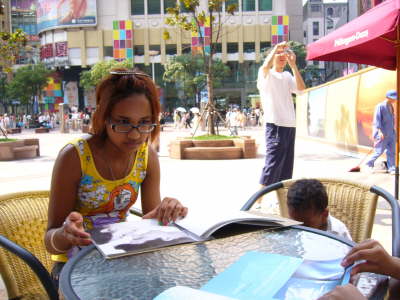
{"type": "Point", "coordinates": [276, 97]}
{"type": "Point", "coordinates": [337, 227]}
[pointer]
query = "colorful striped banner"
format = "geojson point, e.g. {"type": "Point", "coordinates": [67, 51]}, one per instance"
{"type": "Point", "coordinates": [279, 29]}
{"type": "Point", "coordinates": [123, 40]}
{"type": "Point", "coordinates": [202, 38]}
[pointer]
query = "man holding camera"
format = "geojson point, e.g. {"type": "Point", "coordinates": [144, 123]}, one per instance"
{"type": "Point", "coordinates": [276, 87]}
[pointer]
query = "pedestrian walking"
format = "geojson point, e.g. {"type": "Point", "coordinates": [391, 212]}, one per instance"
{"type": "Point", "coordinates": [276, 87]}
{"type": "Point", "coordinates": [383, 132]}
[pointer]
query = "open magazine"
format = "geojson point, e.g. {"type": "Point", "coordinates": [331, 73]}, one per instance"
{"type": "Point", "coordinates": [125, 238]}
{"type": "Point", "coordinates": [266, 276]}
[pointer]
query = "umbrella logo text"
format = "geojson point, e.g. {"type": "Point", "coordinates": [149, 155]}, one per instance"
{"type": "Point", "coordinates": [350, 39]}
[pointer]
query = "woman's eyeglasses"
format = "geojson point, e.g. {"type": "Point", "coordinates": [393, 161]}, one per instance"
{"type": "Point", "coordinates": [127, 127]}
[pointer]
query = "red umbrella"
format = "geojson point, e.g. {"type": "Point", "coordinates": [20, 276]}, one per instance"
{"type": "Point", "coordinates": [372, 39]}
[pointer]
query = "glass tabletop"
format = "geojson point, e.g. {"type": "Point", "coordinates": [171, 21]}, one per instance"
{"type": "Point", "coordinates": [143, 276]}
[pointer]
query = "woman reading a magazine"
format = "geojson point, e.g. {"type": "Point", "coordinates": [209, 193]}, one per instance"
{"type": "Point", "coordinates": [97, 179]}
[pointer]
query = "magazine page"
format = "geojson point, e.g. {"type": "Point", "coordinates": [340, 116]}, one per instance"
{"type": "Point", "coordinates": [132, 237]}
{"type": "Point", "coordinates": [203, 226]}
{"type": "Point", "coordinates": [314, 279]}
{"type": "Point", "coordinates": [186, 293]}
{"type": "Point", "coordinates": [256, 275]}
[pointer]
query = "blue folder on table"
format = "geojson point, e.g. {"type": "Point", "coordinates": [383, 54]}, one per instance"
{"type": "Point", "coordinates": [259, 275]}
{"type": "Point", "coordinates": [256, 275]}
{"type": "Point", "coordinates": [267, 276]}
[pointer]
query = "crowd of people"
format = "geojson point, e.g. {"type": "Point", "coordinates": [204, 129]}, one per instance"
{"type": "Point", "coordinates": [74, 119]}
{"type": "Point", "coordinates": [47, 119]}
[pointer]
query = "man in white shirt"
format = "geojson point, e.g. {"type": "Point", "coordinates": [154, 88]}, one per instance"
{"type": "Point", "coordinates": [276, 87]}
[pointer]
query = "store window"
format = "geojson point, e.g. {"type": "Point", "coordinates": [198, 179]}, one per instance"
{"type": "Point", "coordinates": [232, 47]}
{"type": "Point", "coordinates": [265, 5]}
{"type": "Point", "coordinates": [108, 51]}
{"type": "Point", "coordinates": [249, 47]}
{"type": "Point", "coordinates": [137, 7]}
{"type": "Point", "coordinates": [186, 49]}
{"type": "Point", "coordinates": [229, 2]}
{"type": "Point", "coordinates": [153, 7]}
{"type": "Point", "coordinates": [138, 50]}
{"type": "Point", "coordinates": [168, 3]}
{"type": "Point", "coordinates": [170, 49]}
{"type": "Point", "coordinates": [315, 28]}
{"type": "Point", "coordinates": [264, 46]}
{"type": "Point", "coordinates": [248, 5]}
{"type": "Point", "coordinates": [218, 48]}
{"type": "Point", "coordinates": [315, 8]}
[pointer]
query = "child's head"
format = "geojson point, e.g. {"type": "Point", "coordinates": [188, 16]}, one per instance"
{"type": "Point", "coordinates": [118, 86]}
{"type": "Point", "coordinates": [307, 202]}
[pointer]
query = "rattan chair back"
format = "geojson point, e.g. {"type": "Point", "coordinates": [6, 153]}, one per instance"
{"type": "Point", "coordinates": [351, 202]}
{"type": "Point", "coordinates": [23, 220]}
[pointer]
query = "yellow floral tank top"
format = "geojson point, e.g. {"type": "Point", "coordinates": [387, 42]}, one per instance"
{"type": "Point", "coordinates": [102, 201]}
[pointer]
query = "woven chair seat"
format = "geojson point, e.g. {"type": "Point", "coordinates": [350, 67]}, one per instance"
{"type": "Point", "coordinates": [23, 220]}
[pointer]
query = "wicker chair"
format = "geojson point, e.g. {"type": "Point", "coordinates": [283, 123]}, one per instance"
{"type": "Point", "coordinates": [351, 202]}
{"type": "Point", "coordinates": [23, 220]}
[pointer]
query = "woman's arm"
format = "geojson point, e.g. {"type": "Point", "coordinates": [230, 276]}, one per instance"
{"type": "Point", "coordinates": [167, 210]}
{"type": "Point", "coordinates": [64, 227]}
{"type": "Point", "coordinates": [150, 188]}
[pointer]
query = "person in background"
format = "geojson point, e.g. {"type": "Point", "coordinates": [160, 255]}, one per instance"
{"type": "Point", "coordinates": [96, 179]}
{"type": "Point", "coordinates": [307, 202]}
{"type": "Point", "coordinates": [373, 258]}
{"type": "Point", "coordinates": [384, 134]}
{"type": "Point", "coordinates": [276, 87]}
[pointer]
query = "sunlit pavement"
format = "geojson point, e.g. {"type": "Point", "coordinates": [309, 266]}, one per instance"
{"type": "Point", "coordinates": [204, 185]}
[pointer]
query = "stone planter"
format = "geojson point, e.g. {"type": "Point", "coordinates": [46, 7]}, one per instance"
{"type": "Point", "coordinates": [24, 148]}
{"type": "Point", "coordinates": [42, 130]}
{"type": "Point", "coordinates": [243, 147]}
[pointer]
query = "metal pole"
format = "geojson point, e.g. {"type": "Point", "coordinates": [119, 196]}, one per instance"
{"type": "Point", "coordinates": [152, 70]}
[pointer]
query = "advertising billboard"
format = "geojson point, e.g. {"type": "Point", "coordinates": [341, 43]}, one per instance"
{"type": "Point", "coordinates": [53, 14]}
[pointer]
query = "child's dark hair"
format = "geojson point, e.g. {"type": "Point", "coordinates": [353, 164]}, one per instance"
{"type": "Point", "coordinates": [307, 194]}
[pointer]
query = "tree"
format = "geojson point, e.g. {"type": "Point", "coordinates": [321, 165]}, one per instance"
{"type": "Point", "coordinates": [192, 21]}
{"type": "Point", "coordinates": [27, 83]}
{"type": "Point", "coordinates": [188, 70]}
{"type": "Point", "coordinates": [90, 78]}
{"type": "Point", "coordinates": [10, 45]}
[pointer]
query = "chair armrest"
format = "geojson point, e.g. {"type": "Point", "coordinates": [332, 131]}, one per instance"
{"type": "Point", "coordinates": [395, 217]}
{"type": "Point", "coordinates": [34, 264]}
{"type": "Point", "coordinates": [258, 194]}
{"type": "Point", "coordinates": [136, 211]}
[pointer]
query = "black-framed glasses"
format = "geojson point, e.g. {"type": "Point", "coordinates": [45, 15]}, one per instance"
{"type": "Point", "coordinates": [127, 127]}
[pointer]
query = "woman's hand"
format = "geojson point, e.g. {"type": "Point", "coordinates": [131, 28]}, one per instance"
{"type": "Point", "coordinates": [343, 292]}
{"type": "Point", "coordinates": [168, 211]}
{"type": "Point", "coordinates": [375, 259]}
{"type": "Point", "coordinates": [73, 231]}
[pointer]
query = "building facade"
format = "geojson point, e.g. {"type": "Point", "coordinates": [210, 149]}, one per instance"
{"type": "Point", "coordinates": [320, 17]}
{"type": "Point", "coordinates": [23, 16]}
{"type": "Point", "coordinates": [74, 38]}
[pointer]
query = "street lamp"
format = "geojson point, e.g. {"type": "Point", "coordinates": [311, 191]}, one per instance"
{"type": "Point", "coordinates": [153, 53]}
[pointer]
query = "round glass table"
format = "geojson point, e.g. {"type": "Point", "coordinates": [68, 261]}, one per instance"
{"type": "Point", "coordinates": [89, 276]}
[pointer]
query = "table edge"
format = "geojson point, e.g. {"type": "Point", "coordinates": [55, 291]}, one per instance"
{"type": "Point", "coordinates": [65, 280]}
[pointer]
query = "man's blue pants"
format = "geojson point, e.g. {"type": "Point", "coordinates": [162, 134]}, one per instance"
{"type": "Point", "coordinates": [279, 157]}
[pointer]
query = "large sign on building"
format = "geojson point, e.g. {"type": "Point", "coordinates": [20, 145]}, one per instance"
{"type": "Point", "coordinates": [53, 14]}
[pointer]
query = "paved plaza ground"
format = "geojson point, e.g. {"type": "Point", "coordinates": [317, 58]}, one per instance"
{"type": "Point", "coordinates": [204, 185]}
